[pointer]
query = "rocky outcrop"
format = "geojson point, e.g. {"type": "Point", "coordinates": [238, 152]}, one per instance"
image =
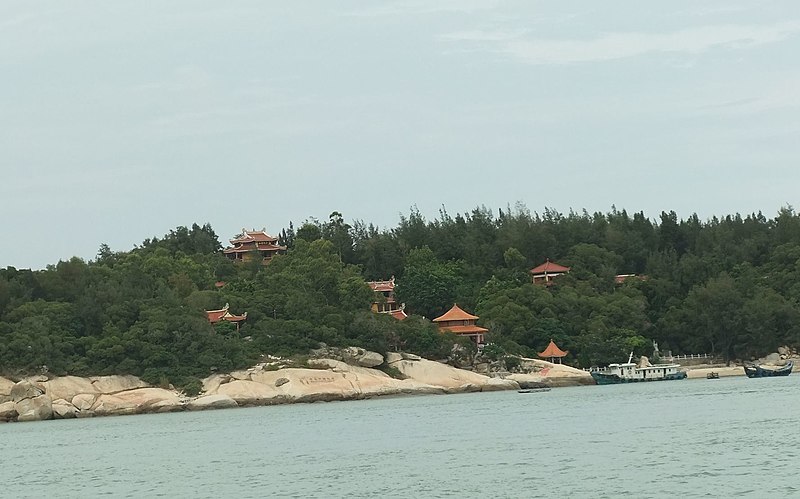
{"type": "Point", "coordinates": [25, 389]}
{"type": "Point", "coordinates": [555, 375]}
{"type": "Point", "coordinates": [64, 410]}
{"type": "Point", "coordinates": [67, 387]}
{"type": "Point", "coordinates": [8, 411]}
{"type": "Point", "coordinates": [5, 389]}
{"type": "Point", "coordinates": [211, 402]}
{"type": "Point", "coordinates": [34, 409]}
{"type": "Point", "coordinates": [451, 379]}
{"type": "Point", "coordinates": [117, 383]}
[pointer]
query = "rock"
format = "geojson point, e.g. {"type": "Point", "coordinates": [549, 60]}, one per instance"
{"type": "Point", "coordinates": [784, 350]}
{"type": "Point", "coordinates": [111, 405]}
{"type": "Point", "coordinates": [84, 401]}
{"type": "Point", "coordinates": [117, 383]}
{"type": "Point", "coordinates": [240, 375]}
{"type": "Point", "coordinates": [246, 392]}
{"type": "Point", "coordinates": [527, 380]}
{"type": "Point", "coordinates": [392, 357]}
{"type": "Point", "coordinates": [8, 412]}
{"type": "Point", "coordinates": [64, 410]}
{"type": "Point", "coordinates": [25, 390]}
{"type": "Point", "coordinates": [496, 384]}
{"type": "Point", "coordinates": [34, 409]}
{"type": "Point", "coordinates": [211, 402]}
{"type": "Point", "coordinates": [772, 358]}
{"type": "Point", "coordinates": [151, 399]}
{"type": "Point", "coordinates": [5, 389]}
{"type": "Point", "coordinates": [66, 387]}
{"type": "Point", "coordinates": [212, 383]}
{"type": "Point", "coordinates": [442, 375]}
{"type": "Point", "coordinates": [281, 382]}
{"type": "Point", "coordinates": [410, 356]}
{"type": "Point", "coordinates": [361, 357]}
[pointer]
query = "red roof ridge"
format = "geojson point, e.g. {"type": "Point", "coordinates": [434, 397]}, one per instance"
{"type": "Point", "coordinates": [552, 350]}
{"type": "Point", "coordinates": [547, 267]}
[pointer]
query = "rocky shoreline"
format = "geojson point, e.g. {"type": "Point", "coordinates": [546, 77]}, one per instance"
{"type": "Point", "coordinates": [325, 379]}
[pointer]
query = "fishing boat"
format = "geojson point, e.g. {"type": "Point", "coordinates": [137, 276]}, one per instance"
{"type": "Point", "coordinates": [712, 375]}
{"type": "Point", "coordinates": [628, 372]}
{"type": "Point", "coordinates": [756, 371]}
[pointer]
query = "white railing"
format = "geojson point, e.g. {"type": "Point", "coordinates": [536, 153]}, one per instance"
{"type": "Point", "coordinates": [688, 356]}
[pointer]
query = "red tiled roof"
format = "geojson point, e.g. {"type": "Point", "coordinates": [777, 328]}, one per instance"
{"type": "Point", "coordinates": [398, 314]}
{"type": "Point", "coordinates": [552, 351]}
{"type": "Point", "coordinates": [253, 235]}
{"type": "Point", "coordinates": [245, 249]}
{"type": "Point", "coordinates": [549, 267]}
{"type": "Point", "coordinates": [465, 329]}
{"type": "Point", "coordinates": [455, 314]}
{"type": "Point", "coordinates": [223, 314]}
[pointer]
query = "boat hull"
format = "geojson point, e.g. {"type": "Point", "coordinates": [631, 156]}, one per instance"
{"type": "Point", "coordinates": [754, 371]}
{"type": "Point", "coordinates": [613, 379]}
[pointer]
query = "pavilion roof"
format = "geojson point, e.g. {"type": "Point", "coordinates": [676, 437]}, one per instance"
{"type": "Point", "coordinates": [549, 267]}
{"type": "Point", "coordinates": [253, 236]}
{"type": "Point", "coordinates": [552, 350]}
{"type": "Point", "coordinates": [246, 249]}
{"type": "Point", "coordinates": [465, 329]}
{"type": "Point", "coordinates": [223, 314]}
{"type": "Point", "coordinates": [455, 314]}
{"type": "Point", "coordinates": [382, 285]}
{"type": "Point", "coordinates": [398, 314]}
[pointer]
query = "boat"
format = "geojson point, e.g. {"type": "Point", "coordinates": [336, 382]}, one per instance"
{"type": "Point", "coordinates": [712, 375]}
{"type": "Point", "coordinates": [756, 371]}
{"type": "Point", "coordinates": [534, 390]}
{"type": "Point", "coordinates": [629, 373]}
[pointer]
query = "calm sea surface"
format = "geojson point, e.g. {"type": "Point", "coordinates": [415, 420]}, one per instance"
{"type": "Point", "coordinates": [732, 437]}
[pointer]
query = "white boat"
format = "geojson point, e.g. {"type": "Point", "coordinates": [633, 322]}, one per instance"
{"type": "Point", "coordinates": [628, 372]}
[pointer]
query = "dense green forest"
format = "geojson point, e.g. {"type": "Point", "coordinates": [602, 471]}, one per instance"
{"type": "Point", "coordinates": [727, 286]}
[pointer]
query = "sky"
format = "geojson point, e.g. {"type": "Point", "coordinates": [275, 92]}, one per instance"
{"type": "Point", "coordinates": [120, 121]}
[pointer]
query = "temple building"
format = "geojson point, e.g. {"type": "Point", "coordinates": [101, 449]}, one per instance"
{"type": "Point", "coordinates": [223, 314]}
{"type": "Point", "coordinates": [546, 272]}
{"type": "Point", "coordinates": [253, 244]}
{"type": "Point", "coordinates": [552, 352]}
{"type": "Point", "coordinates": [385, 302]}
{"type": "Point", "coordinates": [461, 323]}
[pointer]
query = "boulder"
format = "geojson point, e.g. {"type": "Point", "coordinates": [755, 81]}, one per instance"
{"type": "Point", "coordinates": [84, 401]}
{"type": "Point", "coordinates": [361, 357]}
{"type": "Point", "coordinates": [112, 405]}
{"type": "Point", "coordinates": [281, 382]}
{"type": "Point", "coordinates": [784, 351]}
{"type": "Point", "coordinates": [527, 380]}
{"type": "Point", "coordinates": [34, 408]}
{"type": "Point", "coordinates": [25, 390]}
{"type": "Point", "coordinates": [66, 387]}
{"type": "Point", "coordinates": [410, 356]}
{"type": "Point", "coordinates": [117, 383]}
{"type": "Point", "coordinates": [772, 358]}
{"type": "Point", "coordinates": [211, 402]}
{"type": "Point", "coordinates": [151, 399]}
{"type": "Point", "coordinates": [64, 410]}
{"type": "Point", "coordinates": [437, 374]}
{"type": "Point", "coordinates": [5, 389]}
{"type": "Point", "coordinates": [214, 381]}
{"type": "Point", "coordinates": [497, 384]}
{"type": "Point", "coordinates": [392, 357]}
{"type": "Point", "coordinates": [8, 412]}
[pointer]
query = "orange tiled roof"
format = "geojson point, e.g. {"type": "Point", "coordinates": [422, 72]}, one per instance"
{"type": "Point", "coordinates": [455, 314]}
{"type": "Point", "coordinates": [552, 351]}
{"type": "Point", "coordinates": [382, 285]}
{"type": "Point", "coordinates": [398, 314]}
{"type": "Point", "coordinates": [465, 329]}
{"type": "Point", "coordinates": [549, 267]}
{"type": "Point", "coordinates": [223, 314]}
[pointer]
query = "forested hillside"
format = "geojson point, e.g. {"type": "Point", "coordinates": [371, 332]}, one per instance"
{"type": "Point", "coordinates": [728, 286]}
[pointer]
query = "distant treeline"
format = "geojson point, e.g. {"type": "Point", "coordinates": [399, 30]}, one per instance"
{"type": "Point", "coordinates": [727, 286]}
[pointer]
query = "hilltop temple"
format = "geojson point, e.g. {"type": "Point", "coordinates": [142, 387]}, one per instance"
{"type": "Point", "coordinates": [552, 352]}
{"type": "Point", "coordinates": [461, 323]}
{"type": "Point", "coordinates": [223, 314]}
{"type": "Point", "coordinates": [546, 272]}
{"type": "Point", "coordinates": [385, 302]}
{"type": "Point", "coordinates": [253, 244]}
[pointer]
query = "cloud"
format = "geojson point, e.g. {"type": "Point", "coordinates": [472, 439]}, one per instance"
{"type": "Point", "coordinates": [613, 46]}
{"type": "Point", "coordinates": [421, 7]}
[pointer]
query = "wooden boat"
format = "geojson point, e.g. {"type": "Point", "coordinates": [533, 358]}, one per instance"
{"type": "Point", "coordinates": [712, 375]}
{"type": "Point", "coordinates": [756, 371]}
{"type": "Point", "coordinates": [629, 373]}
{"type": "Point", "coordinates": [534, 390]}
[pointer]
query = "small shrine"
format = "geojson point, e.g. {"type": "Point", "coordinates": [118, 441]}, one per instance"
{"type": "Point", "coordinates": [253, 244]}
{"type": "Point", "coordinates": [461, 323]}
{"type": "Point", "coordinates": [552, 352]}
{"type": "Point", "coordinates": [546, 272]}
{"type": "Point", "coordinates": [223, 314]}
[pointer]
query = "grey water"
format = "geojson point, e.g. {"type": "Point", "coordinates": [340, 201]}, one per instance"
{"type": "Point", "coordinates": [732, 437]}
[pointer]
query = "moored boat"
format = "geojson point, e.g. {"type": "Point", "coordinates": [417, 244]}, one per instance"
{"type": "Point", "coordinates": [712, 375]}
{"type": "Point", "coordinates": [756, 371]}
{"type": "Point", "coordinates": [628, 372]}
{"type": "Point", "coordinates": [534, 390]}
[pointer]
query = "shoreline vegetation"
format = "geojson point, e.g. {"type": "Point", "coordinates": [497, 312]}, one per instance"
{"type": "Point", "coordinates": [727, 287]}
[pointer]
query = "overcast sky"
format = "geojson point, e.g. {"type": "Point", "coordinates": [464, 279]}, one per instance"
{"type": "Point", "coordinates": [122, 120]}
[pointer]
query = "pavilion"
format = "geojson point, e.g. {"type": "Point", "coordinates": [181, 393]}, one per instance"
{"type": "Point", "coordinates": [223, 314]}
{"type": "Point", "coordinates": [461, 323]}
{"type": "Point", "coordinates": [552, 352]}
{"type": "Point", "coordinates": [546, 272]}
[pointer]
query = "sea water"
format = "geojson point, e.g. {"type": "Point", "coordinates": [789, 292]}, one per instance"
{"type": "Point", "coordinates": [732, 437]}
